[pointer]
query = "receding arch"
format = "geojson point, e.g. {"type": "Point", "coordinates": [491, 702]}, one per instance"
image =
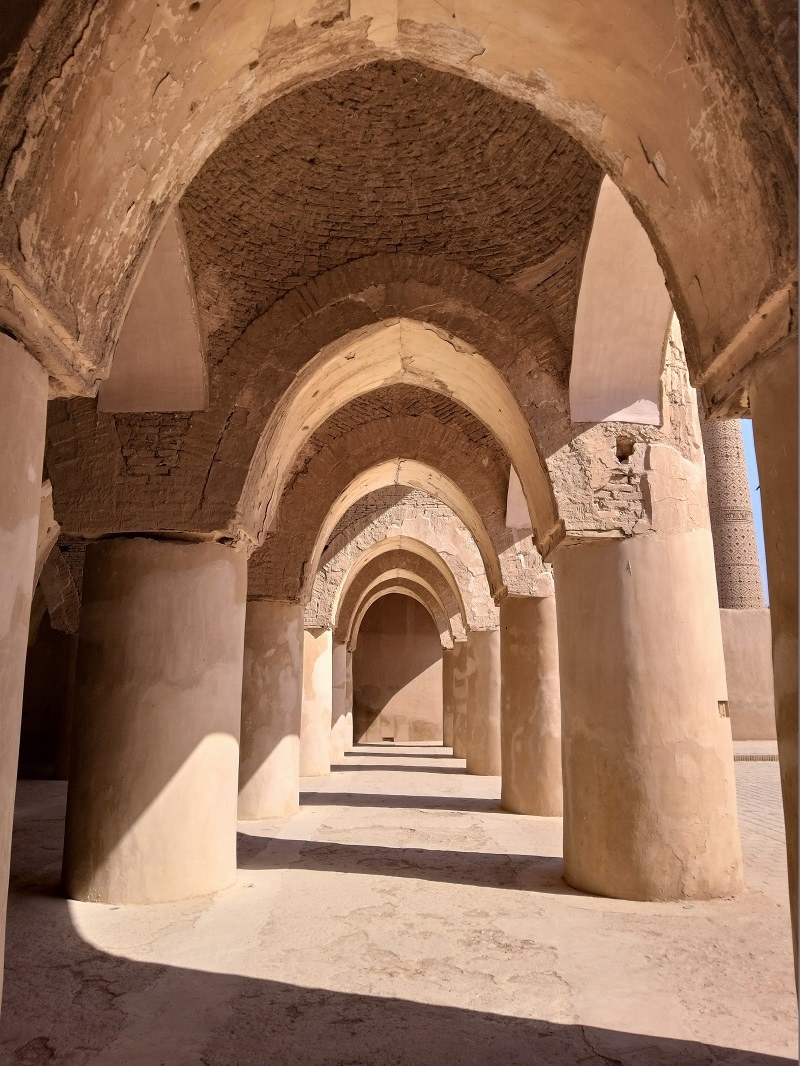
{"type": "Point", "coordinates": [414, 475]}
{"type": "Point", "coordinates": [624, 311]}
{"type": "Point", "coordinates": [406, 584]}
{"type": "Point", "coordinates": [400, 350]}
{"type": "Point", "coordinates": [399, 544]}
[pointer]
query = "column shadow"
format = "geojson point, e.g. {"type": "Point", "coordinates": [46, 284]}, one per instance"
{"type": "Point", "coordinates": [411, 803]}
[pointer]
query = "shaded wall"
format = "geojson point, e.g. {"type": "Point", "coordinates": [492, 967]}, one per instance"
{"type": "Point", "coordinates": [397, 674]}
{"type": "Point", "coordinates": [47, 690]}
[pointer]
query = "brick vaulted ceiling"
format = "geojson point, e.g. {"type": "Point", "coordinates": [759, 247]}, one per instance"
{"type": "Point", "coordinates": [393, 157]}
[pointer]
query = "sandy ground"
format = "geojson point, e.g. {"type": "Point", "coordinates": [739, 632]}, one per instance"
{"type": "Point", "coordinates": [399, 917]}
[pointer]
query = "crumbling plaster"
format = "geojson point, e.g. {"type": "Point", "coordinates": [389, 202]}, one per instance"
{"type": "Point", "coordinates": [687, 107]}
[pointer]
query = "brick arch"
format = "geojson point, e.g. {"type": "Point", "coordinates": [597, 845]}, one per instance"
{"type": "Point", "coordinates": [389, 352]}
{"type": "Point", "coordinates": [399, 560]}
{"type": "Point", "coordinates": [180, 84]}
{"type": "Point", "coordinates": [459, 449]}
{"type": "Point", "coordinates": [203, 459]}
{"type": "Point", "coordinates": [392, 516]}
{"type": "Point", "coordinates": [402, 582]}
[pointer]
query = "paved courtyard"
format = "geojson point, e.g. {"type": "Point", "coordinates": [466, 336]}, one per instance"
{"type": "Point", "coordinates": [400, 917]}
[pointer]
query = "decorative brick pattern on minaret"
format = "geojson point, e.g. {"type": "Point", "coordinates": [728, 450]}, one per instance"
{"type": "Point", "coordinates": [732, 529]}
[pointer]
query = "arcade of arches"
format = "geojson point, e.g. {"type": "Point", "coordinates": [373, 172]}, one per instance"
{"type": "Point", "coordinates": [370, 373]}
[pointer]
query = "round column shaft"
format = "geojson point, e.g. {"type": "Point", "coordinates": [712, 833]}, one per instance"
{"type": "Point", "coordinates": [530, 706]}
{"type": "Point", "coordinates": [448, 696]}
{"type": "Point", "coordinates": [272, 690]}
{"type": "Point", "coordinates": [773, 402]}
{"type": "Point", "coordinates": [460, 693]}
{"type": "Point", "coordinates": [23, 410]}
{"type": "Point", "coordinates": [649, 798]}
{"type": "Point", "coordinates": [483, 702]}
{"type": "Point", "coordinates": [151, 808]}
{"type": "Point", "coordinates": [315, 720]}
{"type": "Point", "coordinates": [341, 722]}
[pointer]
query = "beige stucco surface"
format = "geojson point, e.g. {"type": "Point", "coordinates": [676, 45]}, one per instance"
{"type": "Point", "coordinates": [155, 755]}
{"type": "Point", "coordinates": [272, 689]}
{"type": "Point", "coordinates": [530, 710]}
{"type": "Point", "coordinates": [484, 681]}
{"type": "Point", "coordinates": [649, 803]}
{"type": "Point", "coordinates": [747, 643]}
{"type": "Point", "coordinates": [315, 719]}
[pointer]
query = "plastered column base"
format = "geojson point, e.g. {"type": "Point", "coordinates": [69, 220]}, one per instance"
{"type": "Point", "coordinates": [460, 690]}
{"type": "Point", "coordinates": [649, 798]}
{"type": "Point", "coordinates": [341, 723]}
{"type": "Point", "coordinates": [315, 721]}
{"type": "Point", "coordinates": [151, 805]}
{"type": "Point", "coordinates": [530, 707]}
{"type": "Point", "coordinates": [272, 690]}
{"type": "Point", "coordinates": [773, 404]}
{"type": "Point", "coordinates": [23, 410]}
{"type": "Point", "coordinates": [483, 702]}
{"type": "Point", "coordinates": [448, 699]}
{"type": "Point", "coordinates": [747, 643]}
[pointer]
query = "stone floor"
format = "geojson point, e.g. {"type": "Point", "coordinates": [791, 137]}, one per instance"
{"type": "Point", "coordinates": [400, 917]}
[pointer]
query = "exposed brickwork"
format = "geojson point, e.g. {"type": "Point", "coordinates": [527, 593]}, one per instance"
{"type": "Point", "coordinates": [391, 513]}
{"type": "Point", "coordinates": [397, 422]}
{"type": "Point", "coordinates": [361, 592]}
{"type": "Point", "coordinates": [735, 551]}
{"type": "Point", "coordinates": [392, 157]}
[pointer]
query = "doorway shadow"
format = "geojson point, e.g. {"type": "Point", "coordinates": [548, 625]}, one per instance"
{"type": "Point", "coordinates": [411, 803]}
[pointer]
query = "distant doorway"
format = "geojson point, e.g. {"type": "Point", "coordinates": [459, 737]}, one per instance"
{"type": "Point", "coordinates": [397, 674]}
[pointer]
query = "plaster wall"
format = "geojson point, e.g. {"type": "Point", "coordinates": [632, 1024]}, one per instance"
{"type": "Point", "coordinates": [747, 643]}
{"type": "Point", "coordinates": [397, 674]}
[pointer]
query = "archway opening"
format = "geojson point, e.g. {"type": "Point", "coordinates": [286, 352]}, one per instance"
{"type": "Point", "coordinates": [397, 674]}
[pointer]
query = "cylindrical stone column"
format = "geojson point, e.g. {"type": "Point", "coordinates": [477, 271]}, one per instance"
{"type": "Point", "coordinates": [349, 700]}
{"type": "Point", "coordinates": [745, 621]}
{"type": "Point", "coordinates": [649, 798]}
{"type": "Point", "coordinates": [530, 706]}
{"type": "Point", "coordinates": [483, 702]}
{"type": "Point", "coordinates": [23, 410]}
{"type": "Point", "coordinates": [272, 692]}
{"type": "Point", "coordinates": [315, 721]}
{"type": "Point", "coordinates": [773, 404]}
{"type": "Point", "coordinates": [460, 693]}
{"type": "Point", "coordinates": [341, 723]}
{"type": "Point", "coordinates": [448, 697]}
{"type": "Point", "coordinates": [151, 806]}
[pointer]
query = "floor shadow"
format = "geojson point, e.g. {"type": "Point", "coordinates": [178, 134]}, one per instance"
{"type": "Point", "coordinates": [405, 769]}
{"type": "Point", "coordinates": [411, 803]}
{"type": "Point", "coordinates": [122, 1011]}
{"type": "Point", "coordinates": [522, 873]}
{"type": "Point", "coordinates": [68, 1001]}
